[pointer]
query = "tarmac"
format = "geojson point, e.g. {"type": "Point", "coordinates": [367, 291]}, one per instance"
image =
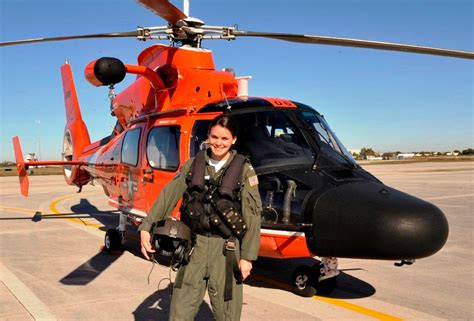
{"type": "Point", "coordinates": [52, 266]}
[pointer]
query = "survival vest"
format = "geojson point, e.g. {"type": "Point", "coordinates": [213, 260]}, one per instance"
{"type": "Point", "coordinates": [213, 207]}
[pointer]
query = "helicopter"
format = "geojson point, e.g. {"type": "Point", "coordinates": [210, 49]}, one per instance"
{"type": "Point", "coordinates": [317, 200]}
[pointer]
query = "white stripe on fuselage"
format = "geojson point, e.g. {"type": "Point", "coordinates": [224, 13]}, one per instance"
{"type": "Point", "coordinates": [280, 232]}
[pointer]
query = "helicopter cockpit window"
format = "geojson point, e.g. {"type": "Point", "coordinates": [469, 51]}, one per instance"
{"type": "Point", "coordinates": [325, 134]}
{"type": "Point", "coordinates": [130, 147]}
{"type": "Point", "coordinates": [199, 136]}
{"type": "Point", "coordinates": [270, 138]}
{"type": "Point", "coordinates": [162, 149]}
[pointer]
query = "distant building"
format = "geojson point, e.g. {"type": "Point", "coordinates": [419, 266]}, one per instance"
{"type": "Point", "coordinates": [31, 157]}
{"type": "Point", "coordinates": [372, 158]}
{"type": "Point", "coordinates": [405, 155]}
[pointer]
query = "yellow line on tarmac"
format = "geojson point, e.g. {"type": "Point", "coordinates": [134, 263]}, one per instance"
{"type": "Point", "coordinates": [338, 302]}
{"type": "Point", "coordinates": [17, 209]}
{"type": "Point", "coordinates": [53, 208]}
{"type": "Point", "coordinates": [357, 308]}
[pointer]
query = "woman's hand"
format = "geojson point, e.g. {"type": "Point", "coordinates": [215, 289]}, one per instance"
{"type": "Point", "coordinates": [146, 244]}
{"type": "Point", "coordinates": [245, 267]}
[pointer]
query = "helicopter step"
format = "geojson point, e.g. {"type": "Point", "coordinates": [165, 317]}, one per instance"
{"type": "Point", "coordinates": [320, 278]}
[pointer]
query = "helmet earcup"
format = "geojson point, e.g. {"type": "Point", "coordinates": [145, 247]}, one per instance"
{"type": "Point", "coordinates": [179, 253]}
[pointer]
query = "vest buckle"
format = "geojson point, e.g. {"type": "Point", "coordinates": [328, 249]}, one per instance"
{"type": "Point", "coordinates": [230, 245]}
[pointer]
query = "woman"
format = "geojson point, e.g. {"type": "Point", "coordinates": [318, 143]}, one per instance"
{"type": "Point", "coordinates": [207, 266]}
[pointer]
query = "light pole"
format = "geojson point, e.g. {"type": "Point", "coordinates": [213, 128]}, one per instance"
{"type": "Point", "coordinates": [39, 138]}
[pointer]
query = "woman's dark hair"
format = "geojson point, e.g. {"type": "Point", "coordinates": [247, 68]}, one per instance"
{"type": "Point", "coordinates": [225, 121]}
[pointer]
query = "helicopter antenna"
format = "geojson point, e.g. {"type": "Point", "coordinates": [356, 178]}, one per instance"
{"type": "Point", "coordinates": [229, 107]}
{"type": "Point", "coordinates": [186, 7]}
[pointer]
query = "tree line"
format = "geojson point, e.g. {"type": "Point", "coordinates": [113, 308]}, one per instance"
{"type": "Point", "coordinates": [366, 151]}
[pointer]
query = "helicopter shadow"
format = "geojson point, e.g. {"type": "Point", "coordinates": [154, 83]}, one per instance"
{"type": "Point", "coordinates": [92, 268]}
{"type": "Point", "coordinates": [277, 273]}
{"type": "Point", "coordinates": [157, 307]}
{"type": "Point", "coordinates": [83, 210]}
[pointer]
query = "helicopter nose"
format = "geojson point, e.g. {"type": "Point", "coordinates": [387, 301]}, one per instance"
{"type": "Point", "coordinates": [373, 221]}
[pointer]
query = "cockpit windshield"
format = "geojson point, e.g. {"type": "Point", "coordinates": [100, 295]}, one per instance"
{"type": "Point", "coordinates": [325, 134]}
{"type": "Point", "coordinates": [273, 138]}
{"type": "Point", "coordinates": [270, 138]}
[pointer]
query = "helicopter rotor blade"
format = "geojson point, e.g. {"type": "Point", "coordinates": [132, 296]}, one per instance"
{"type": "Point", "coordinates": [348, 42]}
{"type": "Point", "coordinates": [136, 33]}
{"type": "Point", "coordinates": [164, 9]}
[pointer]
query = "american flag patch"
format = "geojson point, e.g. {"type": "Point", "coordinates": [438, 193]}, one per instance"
{"type": "Point", "coordinates": [253, 180]}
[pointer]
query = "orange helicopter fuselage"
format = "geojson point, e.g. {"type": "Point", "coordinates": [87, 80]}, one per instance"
{"type": "Point", "coordinates": [172, 85]}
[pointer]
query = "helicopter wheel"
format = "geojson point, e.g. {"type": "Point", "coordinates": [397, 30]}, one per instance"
{"type": "Point", "coordinates": [303, 280]}
{"type": "Point", "coordinates": [325, 286]}
{"type": "Point", "coordinates": [112, 240]}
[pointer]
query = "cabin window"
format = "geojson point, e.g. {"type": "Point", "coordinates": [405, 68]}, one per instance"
{"type": "Point", "coordinates": [162, 149]}
{"type": "Point", "coordinates": [199, 136]}
{"type": "Point", "coordinates": [130, 147]}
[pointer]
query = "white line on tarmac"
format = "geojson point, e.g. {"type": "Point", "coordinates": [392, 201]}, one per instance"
{"type": "Point", "coordinates": [451, 205]}
{"type": "Point", "coordinates": [446, 197]}
{"type": "Point", "coordinates": [34, 306]}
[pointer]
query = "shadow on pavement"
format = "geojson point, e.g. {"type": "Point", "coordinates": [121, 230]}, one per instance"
{"type": "Point", "coordinates": [276, 274]}
{"type": "Point", "coordinates": [157, 305]}
{"type": "Point", "coordinates": [268, 272]}
{"type": "Point", "coordinates": [90, 270]}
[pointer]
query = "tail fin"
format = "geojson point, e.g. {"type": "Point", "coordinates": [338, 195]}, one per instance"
{"type": "Point", "coordinates": [20, 166]}
{"type": "Point", "coordinates": [76, 131]}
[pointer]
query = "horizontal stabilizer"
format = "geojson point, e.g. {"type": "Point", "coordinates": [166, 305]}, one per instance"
{"type": "Point", "coordinates": [20, 166]}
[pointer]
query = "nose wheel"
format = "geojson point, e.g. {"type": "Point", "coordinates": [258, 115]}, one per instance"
{"type": "Point", "coordinates": [304, 281]}
{"type": "Point", "coordinates": [307, 280]}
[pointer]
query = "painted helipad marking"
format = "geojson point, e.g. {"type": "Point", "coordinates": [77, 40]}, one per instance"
{"type": "Point", "coordinates": [80, 221]}
{"type": "Point", "coordinates": [53, 209]}
{"type": "Point", "coordinates": [17, 209]}
{"type": "Point", "coordinates": [35, 307]}
{"type": "Point", "coordinates": [357, 308]}
{"type": "Point", "coordinates": [337, 302]}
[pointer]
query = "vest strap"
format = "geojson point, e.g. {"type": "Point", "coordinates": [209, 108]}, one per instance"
{"type": "Point", "coordinates": [199, 170]}
{"type": "Point", "coordinates": [231, 268]}
{"type": "Point", "coordinates": [231, 176]}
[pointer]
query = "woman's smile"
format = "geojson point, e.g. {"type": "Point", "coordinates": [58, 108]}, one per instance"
{"type": "Point", "coordinates": [220, 141]}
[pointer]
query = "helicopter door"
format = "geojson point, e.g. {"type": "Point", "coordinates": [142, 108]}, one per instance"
{"type": "Point", "coordinates": [130, 169]}
{"type": "Point", "coordinates": [162, 160]}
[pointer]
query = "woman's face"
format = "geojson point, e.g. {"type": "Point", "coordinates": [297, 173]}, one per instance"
{"type": "Point", "coordinates": [220, 140]}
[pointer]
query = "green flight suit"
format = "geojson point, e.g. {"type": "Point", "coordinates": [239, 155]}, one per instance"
{"type": "Point", "coordinates": [206, 269]}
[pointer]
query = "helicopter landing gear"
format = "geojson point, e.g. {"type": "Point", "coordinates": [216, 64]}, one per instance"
{"type": "Point", "coordinates": [304, 281]}
{"type": "Point", "coordinates": [320, 278]}
{"type": "Point", "coordinates": [114, 238]}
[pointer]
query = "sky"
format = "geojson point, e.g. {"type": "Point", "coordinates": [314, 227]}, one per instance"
{"type": "Point", "coordinates": [387, 101]}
